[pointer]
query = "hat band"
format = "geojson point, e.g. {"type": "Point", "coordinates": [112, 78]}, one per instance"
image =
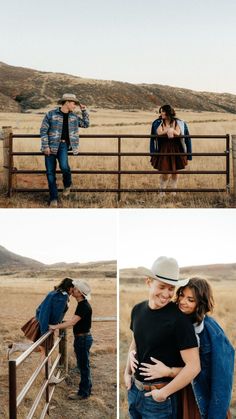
{"type": "Point", "coordinates": [168, 279]}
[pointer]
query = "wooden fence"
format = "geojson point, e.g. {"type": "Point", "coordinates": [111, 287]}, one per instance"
{"type": "Point", "coordinates": [45, 390]}
{"type": "Point", "coordinates": [11, 172]}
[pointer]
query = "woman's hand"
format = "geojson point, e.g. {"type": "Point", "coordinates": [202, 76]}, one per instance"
{"type": "Point", "coordinates": [170, 132]}
{"type": "Point", "coordinates": [152, 371]}
{"type": "Point", "coordinates": [128, 380]}
{"type": "Point", "coordinates": [52, 326]}
{"type": "Point", "coordinates": [133, 361]}
{"type": "Point", "coordinates": [157, 395]}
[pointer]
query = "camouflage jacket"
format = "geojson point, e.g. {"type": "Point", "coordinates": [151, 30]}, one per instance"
{"type": "Point", "coordinates": [51, 129]}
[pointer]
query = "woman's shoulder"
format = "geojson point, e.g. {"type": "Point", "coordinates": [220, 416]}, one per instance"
{"type": "Point", "coordinates": [212, 327]}
{"type": "Point", "coordinates": [59, 295]}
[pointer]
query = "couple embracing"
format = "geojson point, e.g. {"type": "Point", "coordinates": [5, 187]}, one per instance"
{"type": "Point", "coordinates": [49, 316]}
{"type": "Point", "coordinates": [180, 362]}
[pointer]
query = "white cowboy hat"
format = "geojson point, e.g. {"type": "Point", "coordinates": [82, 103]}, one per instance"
{"type": "Point", "coordinates": [166, 270]}
{"type": "Point", "coordinates": [68, 96]}
{"type": "Point", "coordinates": [83, 287]}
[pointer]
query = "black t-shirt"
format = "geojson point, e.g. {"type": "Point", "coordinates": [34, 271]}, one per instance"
{"type": "Point", "coordinates": [84, 310]}
{"type": "Point", "coordinates": [161, 333]}
{"type": "Point", "coordinates": [65, 128]}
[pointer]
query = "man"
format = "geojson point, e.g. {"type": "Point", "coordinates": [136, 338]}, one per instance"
{"type": "Point", "coordinates": [160, 331]}
{"type": "Point", "coordinates": [81, 322]}
{"type": "Point", "coordinates": [59, 133]}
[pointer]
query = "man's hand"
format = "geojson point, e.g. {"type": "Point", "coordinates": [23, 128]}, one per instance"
{"type": "Point", "coordinates": [157, 395]}
{"type": "Point", "coordinates": [133, 361]}
{"type": "Point", "coordinates": [47, 151]}
{"type": "Point", "coordinates": [128, 380]}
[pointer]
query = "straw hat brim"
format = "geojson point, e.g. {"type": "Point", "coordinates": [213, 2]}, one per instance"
{"type": "Point", "coordinates": [59, 102]}
{"type": "Point", "coordinates": [171, 281]}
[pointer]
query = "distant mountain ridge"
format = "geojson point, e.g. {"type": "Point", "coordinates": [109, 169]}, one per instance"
{"type": "Point", "coordinates": [214, 272]}
{"type": "Point", "coordinates": [11, 262]}
{"type": "Point", "coordinates": [25, 89]}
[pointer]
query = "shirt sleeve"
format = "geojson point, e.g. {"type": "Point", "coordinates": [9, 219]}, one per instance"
{"type": "Point", "coordinates": [44, 132]}
{"type": "Point", "coordinates": [132, 318]}
{"type": "Point", "coordinates": [81, 310]}
{"type": "Point", "coordinates": [84, 121]}
{"type": "Point", "coordinates": [185, 334]}
{"type": "Point", "coordinates": [188, 141]}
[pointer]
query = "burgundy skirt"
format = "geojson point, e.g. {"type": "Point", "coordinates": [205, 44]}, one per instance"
{"type": "Point", "coordinates": [31, 330]}
{"type": "Point", "coordinates": [169, 163]}
{"type": "Point", "coordinates": [189, 405]}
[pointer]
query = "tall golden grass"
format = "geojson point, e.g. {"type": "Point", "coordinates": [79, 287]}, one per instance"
{"type": "Point", "coordinates": [224, 313]}
{"type": "Point", "coordinates": [118, 122]}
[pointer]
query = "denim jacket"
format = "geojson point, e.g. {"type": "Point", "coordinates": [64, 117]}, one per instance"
{"type": "Point", "coordinates": [52, 309]}
{"type": "Point", "coordinates": [51, 129]}
{"type": "Point", "coordinates": [186, 142]}
{"type": "Point", "coordinates": [213, 386]}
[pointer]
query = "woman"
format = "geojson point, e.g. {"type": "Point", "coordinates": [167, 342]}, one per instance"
{"type": "Point", "coordinates": [169, 128]}
{"type": "Point", "coordinates": [210, 393]}
{"type": "Point", "coordinates": [81, 322]}
{"type": "Point", "coordinates": [51, 310]}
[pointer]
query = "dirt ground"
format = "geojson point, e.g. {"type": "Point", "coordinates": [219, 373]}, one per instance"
{"type": "Point", "coordinates": [18, 299]}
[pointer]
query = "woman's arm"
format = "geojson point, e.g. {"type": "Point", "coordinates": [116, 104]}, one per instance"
{"type": "Point", "coordinates": [158, 370]}
{"type": "Point", "coordinates": [128, 370]}
{"type": "Point", "coordinates": [186, 375]}
{"type": "Point", "coordinates": [161, 130]}
{"type": "Point", "coordinates": [68, 323]}
{"type": "Point", "coordinates": [133, 361]}
{"type": "Point", "coordinates": [169, 131]}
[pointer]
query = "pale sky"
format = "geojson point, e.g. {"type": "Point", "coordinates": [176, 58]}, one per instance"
{"type": "Point", "coordinates": [135, 237]}
{"type": "Point", "coordinates": [184, 43]}
{"type": "Point", "coordinates": [192, 236]}
{"type": "Point", "coordinates": [51, 236]}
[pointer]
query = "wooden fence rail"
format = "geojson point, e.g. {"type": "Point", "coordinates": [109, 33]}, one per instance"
{"type": "Point", "coordinates": [16, 399]}
{"type": "Point", "coordinates": [13, 172]}
{"type": "Point", "coordinates": [61, 361]}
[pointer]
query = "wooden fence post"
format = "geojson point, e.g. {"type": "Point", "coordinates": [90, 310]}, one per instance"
{"type": "Point", "coordinates": [233, 137]}
{"type": "Point", "coordinates": [4, 156]}
{"type": "Point", "coordinates": [63, 350]}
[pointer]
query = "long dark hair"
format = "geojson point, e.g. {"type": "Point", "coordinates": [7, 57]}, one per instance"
{"type": "Point", "coordinates": [203, 295]}
{"type": "Point", "coordinates": [170, 112]}
{"type": "Point", "coordinates": [65, 285]}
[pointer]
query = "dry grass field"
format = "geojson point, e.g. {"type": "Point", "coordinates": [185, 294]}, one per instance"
{"type": "Point", "coordinates": [224, 313]}
{"type": "Point", "coordinates": [116, 122]}
{"type": "Point", "coordinates": [19, 297]}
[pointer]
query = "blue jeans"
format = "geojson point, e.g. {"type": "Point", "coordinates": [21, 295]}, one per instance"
{"type": "Point", "coordinates": [82, 345]}
{"type": "Point", "coordinates": [51, 164]}
{"type": "Point", "coordinates": [141, 407]}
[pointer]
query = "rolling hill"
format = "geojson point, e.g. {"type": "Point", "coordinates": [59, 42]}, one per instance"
{"type": "Point", "coordinates": [216, 272]}
{"type": "Point", "coordinates": [16, 265]}
{"type": "Point", "coordinates": [10, 260]}
{"type": "Point", "coordinates": [25, 89]}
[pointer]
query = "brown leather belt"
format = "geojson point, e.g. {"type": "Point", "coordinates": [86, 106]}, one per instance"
{"type": "Point", "coordinates": [83, 334]}
{"type": "Point", "coordinates": [149, 387]}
